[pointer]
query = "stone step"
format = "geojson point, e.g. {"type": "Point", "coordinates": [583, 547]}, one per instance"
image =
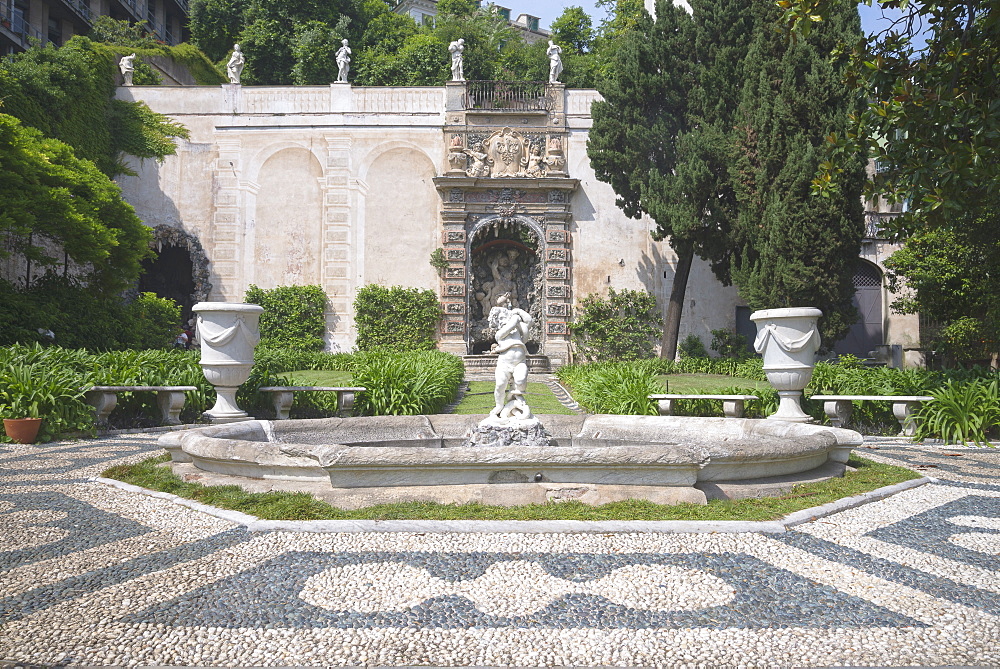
{"type": "Point", "coordinates": [537, 364]}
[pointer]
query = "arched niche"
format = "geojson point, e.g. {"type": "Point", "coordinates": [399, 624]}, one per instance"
{"type": "Point", "coordinates": [505, 256]}
{"type": "Point", "coordinates": [288, 220]}
{"type": "Point", "coordinates": [179, 270]}
{"type": "Point", "coordinates": [400, 219]}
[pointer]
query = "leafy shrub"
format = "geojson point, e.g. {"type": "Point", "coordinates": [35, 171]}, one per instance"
{"type": "Point", "coordinates": [963, 412]}
{"type": "Point", "coordinates": [691, 347]}
{"type": "Point", "coordinates": [729, 344]}
{"type": "Point", "coordinates": [622, 327]}
{"type": "Point", "coordinates": [293, 316]}
{"type": "Point", "coordinates": [613, 387]}
{"type": "Point", "coordinates": [52, 380]}
{"type": "Point", "coordinates": [84, 318]}
{"type": "Point", "coordinates": [154, 321]}
{"type": "Point", "coordinates": [406, 383]}
{"type": "Point", "coordinates": [397, 318]}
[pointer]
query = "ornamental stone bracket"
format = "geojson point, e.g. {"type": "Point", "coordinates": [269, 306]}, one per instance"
{"type": "Point", "coordinates": [542, 210]}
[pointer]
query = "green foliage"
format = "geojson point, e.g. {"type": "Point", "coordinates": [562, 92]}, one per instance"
{"type": "Point", "coordinates": [622, 326]}
{"type": "Point", "coordinates": [52, 198]}
{"type": "Point", "coordinates": [69, 94]}
{"type": "Point", "coordinates": [406, 383]}
{"type": "Point", "coordinates": [438, 261]}
{"type": "Point", "coordinates": [950, 276]}
{"type": "Point", "coordinates": [692, 347]}
{"type": "Point", "coordinates": [314, 49]}
{"type": "Point", "coordinates": [83, 318]}
{"type": "Point", "coordinates": [573, 30]}
{"type": "Point", "coordinates": [460, 8]}
{"type": "Point", "coordinates": [729, 344]}
{"type": "Point", "coordinates": [154, 321]}
{"type": "Point", "coordinates": [49, 383]}
{"type": "Point", "coordinates": [215, 25]}
{"type": "Point", "coordinates": [293, 316]}
{"type": "Point", "coordinates": [614, 387]}
{"type": "Point", "coordinates": [121, 33]}
{"type": "Point", "coordinates": [930, 121]}
{"type": "Point", "coordinates": [397, 318]}
{"type": "Point", "coordinates": [796, 249]}
{"type": "Point", "coordinates": [963, 412]}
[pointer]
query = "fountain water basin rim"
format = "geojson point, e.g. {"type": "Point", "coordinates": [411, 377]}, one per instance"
{"type": "Point", "coordinates": [606, 457]}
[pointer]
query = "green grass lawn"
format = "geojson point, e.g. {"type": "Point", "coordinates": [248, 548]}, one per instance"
{"type": "Point", "coordinates": [320, 377]}
{"type": "Point", "coordinates": [867, 476]}
{"type": "Point", "coordinates": [689, 384]}
{"type": "Point", "coordinates": [479, 399]}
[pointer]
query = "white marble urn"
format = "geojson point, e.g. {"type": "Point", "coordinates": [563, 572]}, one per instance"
{"type": "Point", "coordinates": [788, 339]}
{"type": "Point", "coordinates": [228, 334]}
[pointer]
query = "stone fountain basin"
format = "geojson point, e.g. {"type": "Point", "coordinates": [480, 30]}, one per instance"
{"type": "Point", "coordinates": [595, 458]}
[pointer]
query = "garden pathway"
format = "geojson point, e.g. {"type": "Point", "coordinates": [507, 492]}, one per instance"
{"type": "Point", "coordinates": [94, 575]}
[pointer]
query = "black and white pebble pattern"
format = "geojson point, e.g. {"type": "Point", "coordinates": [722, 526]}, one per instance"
{"type": "Point", "coordinates": [95, 575]}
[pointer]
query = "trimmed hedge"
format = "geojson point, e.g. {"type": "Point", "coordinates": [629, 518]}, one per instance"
{"type": "Point", "coordinates": [293, 316]}
{"type": "Point", "coordinates": [397, 318]}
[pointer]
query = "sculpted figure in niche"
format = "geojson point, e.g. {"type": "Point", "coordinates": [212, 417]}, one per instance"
{"type": "Point", "coordinates": [234, 68]}
{"type": "Point", "coordinates": [535, 163]}
{"type": "Point", "coordinates": [456, 49]}
{"type": "Point", "coordinates": [555, 62]}
{"type": "Point", "coordinates": [127, 66]}
{"type": "Point", "coordinates": [480, 162]}
{"type": "Point", "coordinates": [511, 325]}
{"type": "Point", "coordinates": [343, 62]}
{"type": "Point", "coordinates": [502, 267]}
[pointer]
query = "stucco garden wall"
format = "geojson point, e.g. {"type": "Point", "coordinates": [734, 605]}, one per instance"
{"type": "Point", "coordinates": [334, 186]}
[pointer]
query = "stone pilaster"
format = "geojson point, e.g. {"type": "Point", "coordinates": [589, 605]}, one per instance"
{"type": "Point", "coordinates": [227, 223]}
{"type": "Point", "coordinates": [338, 237]}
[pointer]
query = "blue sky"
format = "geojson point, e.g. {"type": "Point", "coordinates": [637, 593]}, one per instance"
{"type": "Point", "coordinates": [549, 10]}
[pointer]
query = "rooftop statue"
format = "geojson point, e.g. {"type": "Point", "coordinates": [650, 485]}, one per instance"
{"type": "Point", "coordinates": [127, 66]}
{"type": "Point", "coordinates": [234, 68]}
{"type": "Point", "coordinates": [555, 62]}
{"type": "Point", "coordinates": [456, 49]}
{"type": "Point", "coordinates": [343, 62]}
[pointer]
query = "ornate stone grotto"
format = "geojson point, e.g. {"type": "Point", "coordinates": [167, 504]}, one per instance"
{"type": "Point", "coordinates": [500, 235]}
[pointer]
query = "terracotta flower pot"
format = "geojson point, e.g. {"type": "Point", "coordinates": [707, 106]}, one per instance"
{"type": "Point", "coordinates": [22, 430]}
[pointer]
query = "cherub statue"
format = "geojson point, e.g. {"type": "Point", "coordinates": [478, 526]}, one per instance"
{"type": "Point", "coordinates": [480, 162]}
{"type": "Point", "coordinates": [511, 325]}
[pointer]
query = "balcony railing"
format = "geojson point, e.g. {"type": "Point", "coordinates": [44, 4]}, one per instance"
{"type": "Point", "coordinates": [508, 95]}
{"type": "Point", "coordinates": [875, 224]}
{"type": "Point", "coordinates": [25, 33]}
{"type": "Point", "coordinates": [81, 8]}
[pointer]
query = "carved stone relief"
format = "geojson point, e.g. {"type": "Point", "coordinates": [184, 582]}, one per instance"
{"type": "Point", "coordinates": [507, 153]}
{"type": "Point", "coordinates": [558, 309]}
{"type": "Point", "coordinates": [557, 291]}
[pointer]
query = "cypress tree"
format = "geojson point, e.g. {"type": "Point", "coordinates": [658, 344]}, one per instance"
{"type": "Point", "coordinates": [793, 248]}
{"type": "Point", "coordinates": [662, 135]}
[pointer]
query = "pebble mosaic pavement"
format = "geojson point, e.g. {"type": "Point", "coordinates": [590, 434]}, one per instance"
{"type": "Point", "coordinates": [95, 575]}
